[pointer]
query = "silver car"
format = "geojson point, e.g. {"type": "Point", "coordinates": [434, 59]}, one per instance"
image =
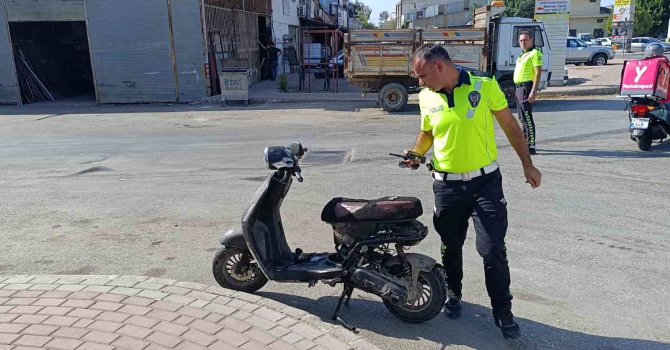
{"type": "Point", "coordinates": [640, 43]}
{"type": "Point", "coordinates": [579, 52]}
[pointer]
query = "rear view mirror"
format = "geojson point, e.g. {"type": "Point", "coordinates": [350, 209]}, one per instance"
{"type": "Point", "coordinates": [296, 149]}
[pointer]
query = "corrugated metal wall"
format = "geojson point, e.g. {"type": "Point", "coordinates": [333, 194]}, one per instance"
{"type": "Point", "coordinates": [131, 52]}
{"type": "Point", "coordinates": [9, 86]}
{"type": "Point", "coordinates": [189, 48]}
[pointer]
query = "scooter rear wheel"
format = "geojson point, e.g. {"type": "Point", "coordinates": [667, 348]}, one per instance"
{"type": "Point", "coordinates": [231, 272]}
{"type": "Point", "coordinates": [429, 304]}
{"type": "Point", "coordinates": [644, 142]}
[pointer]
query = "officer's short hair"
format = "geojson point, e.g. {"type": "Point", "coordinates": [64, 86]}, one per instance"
{"type": "Point", "coordinates": [530, 36]}
{"type": "Point", "coordinates": [431, 53]}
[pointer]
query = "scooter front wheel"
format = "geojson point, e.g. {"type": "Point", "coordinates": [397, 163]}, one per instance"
{"type": "Point", "coordinates": [233, 268]}
{"type": "Point", "coordinates": [429, 304]}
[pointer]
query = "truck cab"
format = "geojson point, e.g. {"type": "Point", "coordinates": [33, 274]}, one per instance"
{"type": "Point", "coordinates": [505, 43]}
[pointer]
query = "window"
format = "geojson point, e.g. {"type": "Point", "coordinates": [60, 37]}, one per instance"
{"type": "Point", "coordinates": [573, 32]}
{"type": "Point", "coordinates": [534, 30]}
{"type": "Point", "coordinates": [600, 20]}
{"type": "Point", "coordinates": [592, 0]}
{"type": "Point", "coordinates": [572, 43]}
{"type": "Point", "coordinates": [286, 7]}
{"type": "Point", "coordinates": [644, 40]}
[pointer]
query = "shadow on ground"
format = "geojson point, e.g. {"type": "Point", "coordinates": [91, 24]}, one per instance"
{"type": "Point", "coordinates": [474, 330]}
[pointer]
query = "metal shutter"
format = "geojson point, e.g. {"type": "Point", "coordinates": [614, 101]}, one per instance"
{"type": "Point", "coordinates": [189, 48]}
{"type": "Point", "coordinates": [9, 86]}
{"type": "Point", "coordinates": [130, 50]}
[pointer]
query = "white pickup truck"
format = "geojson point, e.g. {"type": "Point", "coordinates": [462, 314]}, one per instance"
{"type": "Point", "coordinates": [379, 60]}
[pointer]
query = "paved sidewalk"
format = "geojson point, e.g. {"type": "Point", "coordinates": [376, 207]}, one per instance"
{"type": "Point", "coordinates": [131, 312]}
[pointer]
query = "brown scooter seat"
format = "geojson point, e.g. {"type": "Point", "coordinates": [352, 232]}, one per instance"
{"type": "Point", "coordinates": [362, 210]}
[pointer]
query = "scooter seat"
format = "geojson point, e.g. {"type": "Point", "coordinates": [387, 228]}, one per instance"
{"type": "Point", "coordinates": [365, 210]}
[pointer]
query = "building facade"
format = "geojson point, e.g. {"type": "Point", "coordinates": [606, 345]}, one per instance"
{"type": "Point", "coordinates": [422, 14]}
{"type": "Point", "coordinates": [126, 51]}
{"type": "Point", "coordinates": [587, 16]}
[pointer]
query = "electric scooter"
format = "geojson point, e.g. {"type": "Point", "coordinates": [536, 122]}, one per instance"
{"type": "Point", "coordinates": [370, 238]}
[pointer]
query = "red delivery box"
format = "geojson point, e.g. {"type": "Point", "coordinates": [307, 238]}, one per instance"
{"type": "Point", "coordinates": [649, 77]}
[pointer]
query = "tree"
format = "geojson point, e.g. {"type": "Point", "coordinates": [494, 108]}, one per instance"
{"type": "Point", "coordinates": [655, 11]}
{"type": "Point", "coordinates": [520, 8]}
{"type": "Point", "coordinates": [643, 22]}
{"type": "Point", "coordinates": [608, 25]}
{"type": "Point", "coordinates": [384, 16]}
{"type": "Point", "coordinates": [363, 13]}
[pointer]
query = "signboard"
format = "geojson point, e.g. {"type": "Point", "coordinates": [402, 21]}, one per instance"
{"type": "Point", "coordinates": [623, 10]}
{"type": "Point", "coordinates": [622, 31]}
{"type": "Point", "coordinates": [552, 6]}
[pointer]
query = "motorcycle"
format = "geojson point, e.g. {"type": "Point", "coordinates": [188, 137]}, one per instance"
{"type": "Point", "coordinates": [370, 237]}
{"type": "Point", "coordinates": [649, 121]}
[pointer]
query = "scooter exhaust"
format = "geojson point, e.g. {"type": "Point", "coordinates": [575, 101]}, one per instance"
{"type": "Point", "coordinates": [380, 285]}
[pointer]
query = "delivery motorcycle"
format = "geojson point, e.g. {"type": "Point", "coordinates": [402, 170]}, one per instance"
{"type": "Point", "coordinates": [644, 85]}
{"type": "Point", "coordinates": [370, 236]}
{"type": "Point", "coordinates": [649, 121]}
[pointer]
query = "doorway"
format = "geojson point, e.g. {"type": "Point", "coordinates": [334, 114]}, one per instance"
{"type": "Point", "coordinates": [52, 60]}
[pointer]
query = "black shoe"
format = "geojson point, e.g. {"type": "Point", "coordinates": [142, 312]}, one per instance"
{"type": "Point", "coordinates": [452, 308]}
{"type": "Point", "coordinates": [532, 150]}
{"type": "Point", "coordinates": [508, 326]}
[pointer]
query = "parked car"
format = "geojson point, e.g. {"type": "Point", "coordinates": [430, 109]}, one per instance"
{"type": "Point", "coordinates": [640, 43]}
{"type": "Point", "coordinates": [587, 38]}
{"type": "Point", "coordinates": [604, 42]}
{"type": "Point", "coordinates": [338, 60]}
{"type": "Point", "coordinates": [579, 52]}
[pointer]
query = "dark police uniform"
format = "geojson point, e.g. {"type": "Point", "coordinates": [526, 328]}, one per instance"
{"type": "Point", "coordinates": [524, 73]}
{"type": "Point", "coordinates": [467, 182]}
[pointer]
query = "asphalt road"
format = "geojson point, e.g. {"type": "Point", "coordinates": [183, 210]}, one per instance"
{"type": "Point", "coordinates": [146, 190]}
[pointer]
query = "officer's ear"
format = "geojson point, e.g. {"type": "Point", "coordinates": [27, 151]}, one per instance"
{"type": "Point", "coordinates": [439, 65]}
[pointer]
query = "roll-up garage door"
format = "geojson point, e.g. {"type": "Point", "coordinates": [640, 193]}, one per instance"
{"type": "Point", "coordinates": [131, 51]}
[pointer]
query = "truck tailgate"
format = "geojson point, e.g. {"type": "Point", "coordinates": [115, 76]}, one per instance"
{"type": "Point", "coordinates": [379, 59]}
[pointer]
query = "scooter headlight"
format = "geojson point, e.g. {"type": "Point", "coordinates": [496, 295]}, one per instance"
{"type": "Point", "coordinates": [278, 157]}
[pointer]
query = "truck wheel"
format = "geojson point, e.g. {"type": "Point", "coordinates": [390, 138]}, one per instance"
{"type": "Point", "coordinates": [509, 89]}
{"type": "Point", "coordinates": [599, 60]}
{"type": "Point", "coordinates": [393, 97]}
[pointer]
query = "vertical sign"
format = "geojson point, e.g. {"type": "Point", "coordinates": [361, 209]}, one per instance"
{"type": "Point", "coordinates": [622, 21]}
{"type": "Point", "coordinates": [555, 14]}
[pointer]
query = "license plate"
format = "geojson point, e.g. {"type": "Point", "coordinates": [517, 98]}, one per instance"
{"type": "Point", "coordinates": [639, 123]}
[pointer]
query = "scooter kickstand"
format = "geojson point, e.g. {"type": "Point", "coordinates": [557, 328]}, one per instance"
{"type": "Point", "coordinates": [346, 301]}
{"type": "Point", "coordinates": [346, 292]}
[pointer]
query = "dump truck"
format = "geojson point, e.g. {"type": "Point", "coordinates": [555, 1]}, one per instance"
{"type": "Point", "coordinates": [379, 61]}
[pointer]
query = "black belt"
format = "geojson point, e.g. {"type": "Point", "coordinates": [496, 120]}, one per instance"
{"type": "Point", "coordinates": [524, 84]}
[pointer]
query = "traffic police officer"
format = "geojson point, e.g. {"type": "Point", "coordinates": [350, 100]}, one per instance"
{"type": "Point", "coordinates": [457, 110]}
{"type": "Point", "coordinates": [527, 74]}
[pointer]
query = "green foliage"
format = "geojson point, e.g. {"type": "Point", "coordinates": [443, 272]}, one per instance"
{"type": "Point", "coordinates": [384, 16]}
{"type": "Point", "coordinates": [283, 83]}
{"type": "Point", "coordinates": [643, 22]}
{"type": "Point", "coordinates": [608, 25]}
{"type": "Point", "coordinates": [653, 14]}
{"type": "Point", "coordinates": [520, 8]}
{"type": "Point", "coordinates": [363, 13]}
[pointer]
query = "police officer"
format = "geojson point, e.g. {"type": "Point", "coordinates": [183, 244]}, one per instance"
{"type": "Point", "coordinates": [457, 110]}
{"type": "Point", "coordinates": [527, 74]}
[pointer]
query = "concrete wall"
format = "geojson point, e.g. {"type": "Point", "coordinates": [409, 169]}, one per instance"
{"type": "Point", "coordinates": [585, 25]}
{"type": "Point", "coordinates": [45, 10]}
{"type": "Point", "coordinates": [584, 8]}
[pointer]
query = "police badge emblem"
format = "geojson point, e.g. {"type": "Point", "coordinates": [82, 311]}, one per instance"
{"type": "Point", "coordinates": [474, 97]}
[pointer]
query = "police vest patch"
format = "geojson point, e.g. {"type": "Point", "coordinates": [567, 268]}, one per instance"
{"type": "Point", "coordinates": [474, 98]}
{"type": "Point", "coordinates": [436, 109]}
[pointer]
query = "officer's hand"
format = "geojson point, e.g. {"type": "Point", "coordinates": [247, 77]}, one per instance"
{"type": "Point", "coordinates": [533, 176]}
{"type": "Point", "coordinates": [531, 97]}
{"type": "Point", "coordinates": [413, 164]}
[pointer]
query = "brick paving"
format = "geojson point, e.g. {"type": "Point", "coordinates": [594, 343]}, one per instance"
{"type": "Point", "coordinates": [142, 313]}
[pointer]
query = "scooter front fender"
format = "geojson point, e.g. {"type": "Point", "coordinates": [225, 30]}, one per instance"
{"type": "Point", "coordinates": [233, 238]}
